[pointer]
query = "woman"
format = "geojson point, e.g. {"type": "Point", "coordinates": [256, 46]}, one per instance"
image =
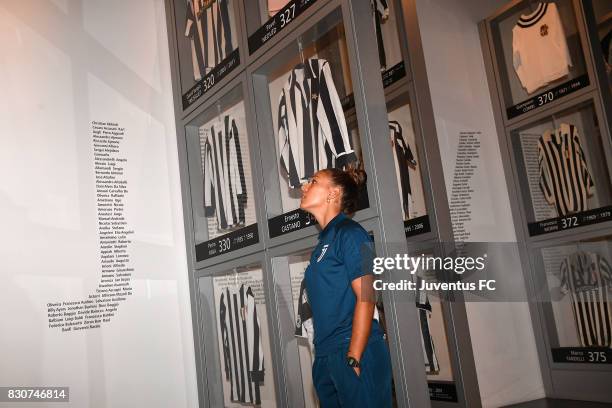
{"type": "Point", "coordinates": [352, 367]}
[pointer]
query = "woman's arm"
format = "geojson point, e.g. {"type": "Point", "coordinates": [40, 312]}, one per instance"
{"type": "Point", "coordinates": [362, 318]}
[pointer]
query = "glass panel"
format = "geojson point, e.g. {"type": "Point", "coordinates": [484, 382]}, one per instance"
{"type": "Point", "coordinates": [206, 40]}
{"type": "Point", "coordinates": [296, 264]}
{"type": "Point", "coordinates": [539, 54]}
{"type": "Point", "coordinates": [407, 166]}
{"type": "Point", "coordinates": [243, 338]}
{"type": "Point", "coordinates": [434, 339]}
{"type": "Point", "coordinates": [224, 213]}
{"type": "Point", "coordinates": [579, 279]}
{"type": "Point", "coordinates": [297, 267]}
{"type": "Point", "coordinates": [386, 22]}
{"type": "Point", "coordinates": [603, 19]}
{"type": "Point", "coordinates": [562, 162]}
{"type": "Point", "coordinates": [310, 92]}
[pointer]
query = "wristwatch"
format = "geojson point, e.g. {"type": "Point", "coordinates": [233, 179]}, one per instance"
{"type": "Point", "coordinates": [352, 362]}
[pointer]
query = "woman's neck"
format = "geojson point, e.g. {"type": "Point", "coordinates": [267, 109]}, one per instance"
{"type": "Point", "coordinates": [325, 217]}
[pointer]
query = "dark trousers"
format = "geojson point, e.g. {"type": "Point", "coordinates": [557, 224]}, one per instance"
{"type": "Point", "coordinates": [338, 385]}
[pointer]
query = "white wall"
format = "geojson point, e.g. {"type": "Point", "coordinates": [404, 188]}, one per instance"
{"type": "Point", "coordinates": [65, 63]}
{"type": "Point", "coordinates": [502, 334]}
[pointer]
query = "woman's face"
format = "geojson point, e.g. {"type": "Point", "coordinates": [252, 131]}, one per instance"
{"type": "Point", "coordinates": [316, 191]}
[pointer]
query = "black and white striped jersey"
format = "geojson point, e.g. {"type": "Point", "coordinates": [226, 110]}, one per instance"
{"type": "Point", "coordinates": [404, 160]}
{"type": "Point", "coordinates": [208, 28]}
{"type": "Point", "coordinates": [587, 277]}
{"type": "Point", "coordinates": [312, 131]}
{"type": "Point", "coordinates": [380, 9]}
{"type": "Point", "coordinates": [243, 358]}
{"type": "Point", "coordinates": [564, 175]}
{"type": "Point", "coordinates": [224, 189]}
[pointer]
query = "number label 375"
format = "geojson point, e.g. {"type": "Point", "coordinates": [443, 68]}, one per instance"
{"type": "Point", "coordinates": [597, 357]}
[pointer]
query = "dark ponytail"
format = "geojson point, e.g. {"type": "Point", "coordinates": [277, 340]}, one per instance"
{"type": "Point", "coordinates": [351, 181]}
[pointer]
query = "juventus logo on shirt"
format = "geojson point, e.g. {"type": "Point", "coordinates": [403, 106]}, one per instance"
{"type": "Point", "coordinates": [544, 30]}
{"type": "Point", "coordinates": [204, 4]}
{"type": "Point", "coordinates": [322, 252]}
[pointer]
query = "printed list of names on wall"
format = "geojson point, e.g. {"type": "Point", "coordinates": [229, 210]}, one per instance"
{"type": "Point", "coordinates": [468, 157]}
{"type": "Point", "coordinates": [114, 236]}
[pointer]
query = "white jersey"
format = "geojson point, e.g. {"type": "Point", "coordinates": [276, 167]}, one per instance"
{"type": "Point", "coordinates": [539, 48]}
{"type": "Point", "coordinates": [274, 6]}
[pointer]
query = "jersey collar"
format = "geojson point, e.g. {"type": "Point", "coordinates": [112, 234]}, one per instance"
{"type": "Point", "coordinates": [332, 225]}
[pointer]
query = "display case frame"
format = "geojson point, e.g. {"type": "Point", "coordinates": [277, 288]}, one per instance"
{"type": "Point", "coordinates": [540, 97]}
{"type": "Point", "coordinates": [540, 282]}
{"type": "Point", "coordinates": [570, 381]}
{"type": "Point", "coordinates": [209, 355]}
{"type": "Point", "coordinates": [604, 79]}
{"type": "Point", "coordinates": [223, 73]}
{"type": "Point", "coordinates": [370, 114]}
{"type": "Point", "coordinates": [395, 98]}
{"type": "Point", "coordinates": [330, 12]}
{"type": "Point", "coordinates": [567, 228]}
{"type": "Point", "coordinates": [194, 175]}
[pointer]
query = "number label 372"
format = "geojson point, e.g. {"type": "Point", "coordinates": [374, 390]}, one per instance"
{"type": "Point", "coordinates": [569, 222]}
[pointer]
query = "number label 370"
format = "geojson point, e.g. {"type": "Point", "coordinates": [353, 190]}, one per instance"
{"type": "Point", "coordinates": [546, 98]}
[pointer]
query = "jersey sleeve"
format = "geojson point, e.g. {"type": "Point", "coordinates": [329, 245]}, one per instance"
{"type": "Point", "coordinates": [546, 183]}
{"type": "Point", "coordinates": [331, 119]}
{"type": "Point", "coordinates": [585, 174]}
{"type": "Point", "coordinates": [224, 336]}
{"type": "Point", "coordinates": [285, 156]}
{"type": "Point", "coordinates": [605, 271]}
{"type": "Point", "coordinates": [209, 185]}
{"type": "Point", "coordinates": [256, 359]}
{"type": "Point", "coordinates": [357, 251]}
{"type": "Point", "coordinates": [517, 60]}
{"type": "Point", "coordinates": [189, 21]}
{"type": "Point", "coordinates": [559, 34]}
{"type": "Point", "coordinates": [564, 275]}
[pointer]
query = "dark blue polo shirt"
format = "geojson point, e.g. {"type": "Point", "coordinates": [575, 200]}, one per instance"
{"type": "Point", "coordinates": [344, 253]}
